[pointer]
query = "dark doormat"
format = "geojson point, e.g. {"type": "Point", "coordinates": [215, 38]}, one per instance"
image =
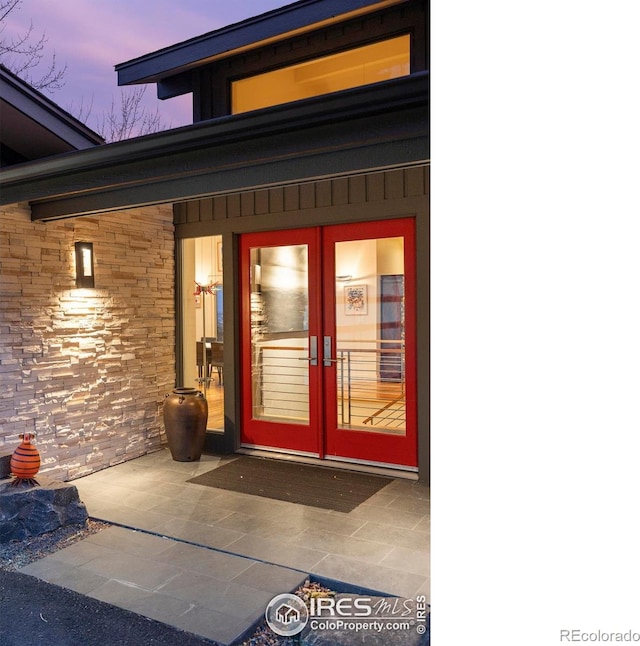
{"type": "Point", "coordinates": [300, 483]}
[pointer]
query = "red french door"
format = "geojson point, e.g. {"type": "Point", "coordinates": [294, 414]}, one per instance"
{"type": "Point", "coordinates": [281, 382]}
{"type": "Point", "coordinates": [328, 341]}
{"type": "Point", "coordinates": [369, 327]}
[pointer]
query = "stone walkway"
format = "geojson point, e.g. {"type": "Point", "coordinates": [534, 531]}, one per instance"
{"type": "Point", "coordinates": [208, 561]}
{"type": "Point", "coordinates": [206, 592]}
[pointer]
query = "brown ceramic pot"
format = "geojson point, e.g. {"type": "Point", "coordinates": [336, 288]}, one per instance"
{"type": "Point", "coordinates": [185, 412]}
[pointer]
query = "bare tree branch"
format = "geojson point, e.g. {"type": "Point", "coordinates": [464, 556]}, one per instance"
{"type": "Point", "coordinates": [82, 111]}
{"type": "Point", "coordinates": [23, 53]}
{"type": "Point", "coordinates": [6, 7]}
{"type": "Point", "coordinates": [130, 118]}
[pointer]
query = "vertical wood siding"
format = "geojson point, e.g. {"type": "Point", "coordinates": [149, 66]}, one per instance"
{"type": "Point", "coordinates": [358, 189]}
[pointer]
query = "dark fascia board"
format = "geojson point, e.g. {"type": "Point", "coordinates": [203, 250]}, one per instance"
{"type": "Point", "coordinates": [387, 122]}
{"type": "Point", "coordinates": [254, 32]}
{"type": "Point", "coordinates": [39, 109]}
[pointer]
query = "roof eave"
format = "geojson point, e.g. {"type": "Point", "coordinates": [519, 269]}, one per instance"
{"type": "Point", "coordinates": [195, 160]}
{"type": "Point", "coordinates": [278, 24]}
{"type": "Point", "coordinates": [39, 108]}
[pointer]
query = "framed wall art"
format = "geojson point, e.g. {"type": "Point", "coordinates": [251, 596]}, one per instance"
{"type": "Point", "coordinates": [355, 299]}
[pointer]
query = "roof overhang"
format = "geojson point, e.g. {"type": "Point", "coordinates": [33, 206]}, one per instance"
{"type": "Point", "coordinates": [369, 127]}
{"type": "Point", "coordinates": [34, 126]}
{"type": "Point", "coordinates": [287, 21]}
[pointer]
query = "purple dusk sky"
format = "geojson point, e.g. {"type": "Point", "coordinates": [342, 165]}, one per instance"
{"type": "Point", "coordinates": [91, 37]}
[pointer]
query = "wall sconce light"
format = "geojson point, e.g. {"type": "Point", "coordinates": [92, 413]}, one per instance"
{"type": "Point", "coordinates": [84, 264]}
{"type": "Point", "coordinates": [344, 278]}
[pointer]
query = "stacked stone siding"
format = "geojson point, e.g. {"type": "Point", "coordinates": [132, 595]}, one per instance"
{"type": "Point", "coordinates": [86, 370]}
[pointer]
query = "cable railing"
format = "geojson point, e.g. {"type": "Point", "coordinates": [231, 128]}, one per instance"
{"type": "Point", "coordinates": [371, 393]}
{"type": "Point", "coordinates": [280, 383]}
{"type": "Point", "coordinates": [370, 385]}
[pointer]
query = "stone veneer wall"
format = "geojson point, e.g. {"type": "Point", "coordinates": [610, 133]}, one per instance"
{"type": "Point", "coordinates": [86, 370]}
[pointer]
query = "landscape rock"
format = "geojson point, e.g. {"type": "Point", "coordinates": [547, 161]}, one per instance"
{"type": "Point", "coordinates": [5, 464]}
{"type": "Point", "coordinates": [27, 510]}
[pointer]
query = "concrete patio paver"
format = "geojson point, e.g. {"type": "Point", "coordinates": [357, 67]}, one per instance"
{"type": "Point", "coordinates": [165, 580]}
{"type": "Point", "coordinates": [208, 561]}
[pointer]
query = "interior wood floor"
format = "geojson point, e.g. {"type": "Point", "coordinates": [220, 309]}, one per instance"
{"type": "Point", "coordinates": [215, 400]}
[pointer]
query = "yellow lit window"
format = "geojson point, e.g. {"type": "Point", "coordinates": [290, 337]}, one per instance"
{"type": "Point", "coordinates": [361, 66]}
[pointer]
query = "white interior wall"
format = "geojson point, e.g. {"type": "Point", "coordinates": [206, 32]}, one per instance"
{"type": "Point", "coordinates": [358, 259]}
{"type": "Point", "coordinates": [202, 263]}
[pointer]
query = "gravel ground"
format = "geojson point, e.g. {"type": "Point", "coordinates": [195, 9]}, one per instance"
{"type": "Point", "coordinates": [16, 554]}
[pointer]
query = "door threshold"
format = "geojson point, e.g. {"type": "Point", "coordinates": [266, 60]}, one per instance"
{"type": "Point", "coordinates": [339, 463]}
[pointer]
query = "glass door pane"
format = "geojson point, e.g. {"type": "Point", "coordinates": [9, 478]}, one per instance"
{"type": "Point", "coordinates": [370, 335]}
{"type": "Point", "coordinates": [280, 333]}
{"type": "Point", "coordinates": [202, 322]}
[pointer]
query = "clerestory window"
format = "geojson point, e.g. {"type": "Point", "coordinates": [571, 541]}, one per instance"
{"type": "Point", "coordinates": [380, 61]}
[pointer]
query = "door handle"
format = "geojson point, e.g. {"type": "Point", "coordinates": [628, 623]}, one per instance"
{"type": "Point", "coordinates": [326, 352]}
{"type": "Point", "coordinates": [313, 352]}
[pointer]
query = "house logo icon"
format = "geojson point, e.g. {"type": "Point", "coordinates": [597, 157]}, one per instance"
{"type": "Point", "coordinates": [287, 615]}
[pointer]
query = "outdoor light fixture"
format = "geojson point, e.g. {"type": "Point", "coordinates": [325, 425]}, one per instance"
{"type": "Point", "coordinates": [84, 264]}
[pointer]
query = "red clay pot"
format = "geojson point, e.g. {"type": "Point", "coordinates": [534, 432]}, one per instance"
{"type": "Point", "coordinates": [25, 461]}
